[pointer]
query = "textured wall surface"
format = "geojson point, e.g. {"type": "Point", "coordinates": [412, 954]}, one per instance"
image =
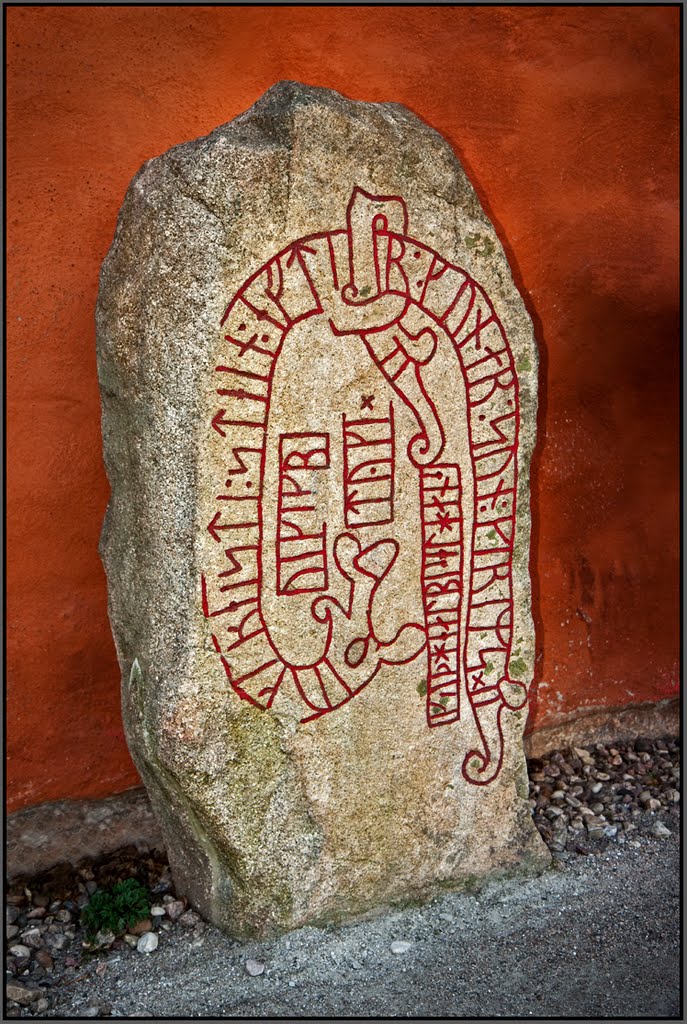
{"type": "Point", "coordinates": [567, 122]}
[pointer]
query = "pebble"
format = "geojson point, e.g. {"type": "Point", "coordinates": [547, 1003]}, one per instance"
{"type": "Point", "coordinates": [42, 1005]}
{"type": "Point", "coordinates": [595, 828]}
{"type": "Point", "coordinates": [584, 755]}
{"type": "Point", "coordinates": [147, 943]}
{"type": "Point", "coordinates": [10, 931]}
{"type": "Point", "coordinates": [32, 937]}
{"type": "Point", "coordinates": [19, 993]}
{"type": "Point", "coordinates": [23, 952]}
{"type": "Point", "coordinates": [399, 946]}
{"type": "Point", "coordinates": [254, 968]}
{"type": "Point", "coordinates": [174, 909]}
{"type": "Point", "coordinates": [660, 831]}
{"type": "Point", "coordinates": [189, 919]}
{"type": "Point", "coordinates": [157, 911]}
{"type": "Point", "coordinates": [60, 941]}
{"type": "Point", "coordinates": [91, 1011]}
{"type": "Point", "coordinates": [45, 960]}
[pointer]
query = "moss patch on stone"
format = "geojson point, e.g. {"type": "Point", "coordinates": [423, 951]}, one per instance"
{"type": "Point", "coordinates": [483, 245]}
{"type": "Point", "coordinates": [517, 667]}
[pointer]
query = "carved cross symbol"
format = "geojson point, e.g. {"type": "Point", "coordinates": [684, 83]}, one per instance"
{"type": "Point", "coordinates": [367, 401]}
{"type": "Point", "coordinates": [444, 521]}
{"type": "Point", "coordinates": [440, 653]}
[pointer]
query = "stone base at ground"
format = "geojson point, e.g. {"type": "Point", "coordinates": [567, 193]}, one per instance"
{"type": "Point", "coordinates": [611, 816]}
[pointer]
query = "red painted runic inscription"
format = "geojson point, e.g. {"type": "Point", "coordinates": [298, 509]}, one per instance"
{"type": "Point", "coordinates": [301, 539]}
{"type": "Point", "coordinates": [441, 588]}
{"type": "Point", "coordinates": [368, 451]}
{"type": "Point", "coordinates": [413, 434]}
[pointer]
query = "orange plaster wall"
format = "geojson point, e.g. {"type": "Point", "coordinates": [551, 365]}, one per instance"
{"type": "Point", "coordinates": [566, 120]}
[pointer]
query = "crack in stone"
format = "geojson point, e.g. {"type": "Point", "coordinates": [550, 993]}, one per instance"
{"type": "Point", "coordinates": [177, 174]}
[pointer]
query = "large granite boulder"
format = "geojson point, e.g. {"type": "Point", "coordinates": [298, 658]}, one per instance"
{"type": "Point", "coordinates": [319, 389]}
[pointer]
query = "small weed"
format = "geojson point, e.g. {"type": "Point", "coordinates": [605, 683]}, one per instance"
{"type": "Point", "coordinates": [117, 908]}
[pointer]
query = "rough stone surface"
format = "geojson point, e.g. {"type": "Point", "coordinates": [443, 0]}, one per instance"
{"type": "Point", "coordinates": [308, 758]}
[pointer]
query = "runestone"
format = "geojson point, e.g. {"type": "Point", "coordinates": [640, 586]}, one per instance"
{"type": "Point", "coordinates": [319, 405]}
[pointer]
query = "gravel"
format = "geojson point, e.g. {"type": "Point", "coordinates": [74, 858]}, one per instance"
{"type": "Point", "coordinates": [606, 791]}
{"type": "Point", "coordinates": [595, 936]}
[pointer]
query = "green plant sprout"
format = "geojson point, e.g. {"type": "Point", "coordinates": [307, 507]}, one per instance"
{"type": "Point", "coordinates": [117, 908]}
